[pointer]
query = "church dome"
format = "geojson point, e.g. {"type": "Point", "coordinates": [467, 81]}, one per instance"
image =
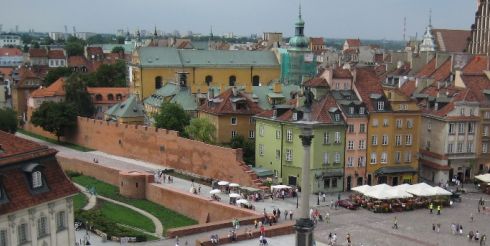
{"type": "Point", "coordinates": [299, 42]}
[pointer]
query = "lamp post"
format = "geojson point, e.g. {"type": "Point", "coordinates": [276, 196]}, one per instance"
{"type": "Point", "coordinates": [304, 225]}
{"type": "Point", "coordinates": [297, 197]}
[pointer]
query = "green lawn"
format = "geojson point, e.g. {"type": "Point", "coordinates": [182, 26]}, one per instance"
{"type": "Point", "coordinates": [65, 144]}
{"type": "Point", "coordinates": [79, 201]}
{"type": "Point", "coordinates": [125, 216]}
{"type": "Point", "coordinates": [169, 218]}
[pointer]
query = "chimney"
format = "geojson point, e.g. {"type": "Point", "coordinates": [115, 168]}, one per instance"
{"type": "Point", "coordinates": [277, 87]}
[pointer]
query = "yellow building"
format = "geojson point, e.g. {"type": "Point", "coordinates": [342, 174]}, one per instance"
{"type": "Point", "coordinates": [393, 128]}
{"type": "Point", "coordinates": [231, 113]}
{"type": "Point", "coordinates": [152, 67]}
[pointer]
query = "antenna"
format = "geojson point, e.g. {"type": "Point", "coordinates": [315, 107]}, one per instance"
{"type": "Point", "coordinates": [430, 17]}
{"type": "Point", "coordinates": [404, 27]}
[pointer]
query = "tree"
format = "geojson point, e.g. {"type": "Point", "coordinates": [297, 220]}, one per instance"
{"type": "Point", "coordinates": [172, 116]}
{"type": "Point", "coordinates": [55, 117]}
{"type": "Point", "coordinates": [118, 49]}
{"type": "Point", "coordinates": [55, 74]}
{"type": "Point", "coordinates": [74, 49]}
{"type": "Point", "coordinates": [248, 147]}
{"type": "Point", "coordinates": [201, 129]}
{"type": "Point", "coordinates": [36, 45]}
{"type": "Point", "coordinates": [110, 75]}
{"type": "Point", "coordinates": [8, 120]}
{"type": "Point", "coordinates": [77, 94]}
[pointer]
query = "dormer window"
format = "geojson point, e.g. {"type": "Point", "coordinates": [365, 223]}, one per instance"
{"type": "Point", "coordinates": [362, 110]}
{"type": "Point", "coordinates": [337, 117]}
{"type": "Point", "coordinates": [295, 116]}
{"type": "Point", "coordinates": [37, 179]}
{"type": "Point", "coordinates": [381, 105]}
{"type": "Point", "coordinates": [351, 110]}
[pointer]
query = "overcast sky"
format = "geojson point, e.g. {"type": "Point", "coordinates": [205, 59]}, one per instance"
{"type": "Point", "coordinates": [367, 19]}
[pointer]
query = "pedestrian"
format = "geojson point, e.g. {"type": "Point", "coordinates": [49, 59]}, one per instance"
{"type": "Point", "coordinates": [471, 217]}
{"type": "Point", "coordinates": [199, 189]}
{"type": "Point", "coordinates": [439, 209]}
{"type": "Point", "coordinates": [330, 238]}
{"type": "Point", "coordinates": [324, 197]}
{"type": "Point", "coordinates": [438, 227]}
{"type": "Point", "coordinates": [478, 208]}
{"type": "Point", "coordinates": [256, 223]}
{"type": "Point", "coordinates": [395, 224]}
{"type": "Point", "coordinates": [327, 217]}
{"type": "Point", "coordinates": [431, 206]}
{"type": "Point", "coordinates": [338, 196]}
{"type": "Point", "coordinates": [460, 230]}
{"type": "Point", "coordinates": [348, 239]}
{"type": "Point", "coordinates": [331, 204]}
{"type": "Point", "coordinates": [283, 194]}
{"type": "Point", "coordinates": [290, 214]}
{"type": "Point", "coordinates": [453, 228]}
{"type": "Point", "coordinates": [470, 235]}
{"type": "Point", "coordinates": [278, 214]}
{"type": "Point", "coordinates": [483, 240]}
{"type": "Point", "coordinates": [285, 215]}
{"type": "Point", "coordinates": [433, 227]}
{"type": "Point", "coordinates": [477, 236]}
{"type": "Point", "coordinates": [262, 230]}
{"type": "Point", "coordinates": [334, 238]}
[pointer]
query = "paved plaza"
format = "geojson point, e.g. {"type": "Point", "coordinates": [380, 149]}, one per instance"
{"type": "Point", "coordinates": [365, 227]}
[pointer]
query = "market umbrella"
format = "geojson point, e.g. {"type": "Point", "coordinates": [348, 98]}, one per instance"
{"type": "Point", "coordinates": [244, 201]}
{"type": "Point", "coordinates": [234, 185]}
{"type": "Point", "coordinates": [485, 178]}
{"type": "Point", "coordinates": [362, 189]}
{"type": "Point", "coordinates": [234, 195]}
{"type": "Point", "coordinates": [441, 192]}
{"type": "Point", "coordinates": [421, 189]}
{"type": "Point", "coordinates": [215, 191]}
{"type": "Point", "coordinates": [223, 183]}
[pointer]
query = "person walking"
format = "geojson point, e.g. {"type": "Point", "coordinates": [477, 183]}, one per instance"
{"type": "Point", "coordinates": [431, 206]}
{"type": "Point", "coordinates": [324, 197]}
{"type": "Point", "coordinates": [439, 209]}
{"type": "Point", "coordinates": [470, 235]}
{"type": "Point", "coordinates": [433, 227]}
{"type": "Point", "coordinates": [285, 215]}
{"type": "Point", "coordinates": [349, 242]}
{"type": "Point", "coordinates": [477, 236]}
{"type": "Point", "coordinates": [483, 240]}
{"type": "Point", "coordinates": [471, 217]}
{"type": "Point", "coordinates": [327, 217]}
{"type": "Point", "coordinates": [395, 224]}
{"type": "Point", "coordinates": [290, 214]}
{"type": "Point", "coordinates": [438, 227]}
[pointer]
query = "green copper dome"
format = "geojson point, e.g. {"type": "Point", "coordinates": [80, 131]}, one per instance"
{"type": "Point", "coordinates": [299, 42]}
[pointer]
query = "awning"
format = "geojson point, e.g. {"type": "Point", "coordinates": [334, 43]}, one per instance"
{"type": "Point", "coordinates": [263, 172]}
{"type": "Point", "coordinates": [395, 170]}
{"type": "Point", "coordinates": [333, 173]}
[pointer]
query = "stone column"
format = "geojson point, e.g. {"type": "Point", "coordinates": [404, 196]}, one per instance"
{"type": "Point", "coordinates": [304, 225]}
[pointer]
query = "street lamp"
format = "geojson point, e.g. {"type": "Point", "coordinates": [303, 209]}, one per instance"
{"type": "Point", "coordinates": [297, 197]}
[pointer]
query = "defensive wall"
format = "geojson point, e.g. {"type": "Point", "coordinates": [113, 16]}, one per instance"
{"type": "Point", "coordinates": [160, 146]}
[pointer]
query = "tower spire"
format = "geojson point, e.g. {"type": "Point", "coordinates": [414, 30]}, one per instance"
{"type": "Point", "coordinates": [155, 32]}
{"type": "Point", "coordinates": [300, 10]}
{"type": "Point", "coordinates": [430, 17]}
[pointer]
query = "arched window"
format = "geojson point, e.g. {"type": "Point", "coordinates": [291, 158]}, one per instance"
{"type": "Point", "coordinates": [118, 97]}
{"type": "Point", "coordinates": [158, 82]}
{"type": "Point", "coordinates": [37, 179]}
{"type": "Point", "coordinates": [256, 80]}
{"type": "Point", "coordinates": [208, 80]}
{"type": "Point", "coordinates": [98, 97]}
{"type": "Point", "coordinates": [110, 97]}
{"type": "Point", "coordinates": [232, 80]}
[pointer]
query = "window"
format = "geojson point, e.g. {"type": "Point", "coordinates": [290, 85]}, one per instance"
{"type": "Point", "coordinates": [408, 156]}
{"type": "Point", "coordinates": [261, 131]}
{"type": "Point", "coordinates": [485, 131]}
{"type": "Point", "coordinates": [362, 128]}
{"type": "Point", "coordinates": [326, 183]}
{"type": "Point", "coordinates": [326, 138]}
{"type": "Point", "coordinates": [398, 140]}
{"type": "Point", "coordinates": [362, 144]}
{"type": "Point", "coordinates": [487, 115]}
{"type": "Point", "coordinates": [350, 128]}
{"type": "Point", "coordinates": [233, 120]}
{"type": "Point", "coordinates": [325, 158]}
{"type": "Point", "coordinates": [408, 140]}
{"type": "Point", "coordinates": [334, 182]}
{"type": "Point", "coordinates": [158, 82]}
{"type": "Point", "coordinates": [22, 233]}
{"type": "Point", "coordinates": [208, 80]}
{"type": "Point", "coordinates": [42, 227]}
{"type": "Point", "coordinates": [381, 105]}
{"type": "Point", "coordinates": [362, 110]}
{"type": "Point", "coordinates": [295, 116]}
{"type": "Point", "coordinates": [350, 161]}
{"type": "Point", "coordinates": [255, 80]}
{"type": "Point", "coordinates": [398, 157]}
{"type": "Point", "coordinates": [469, 147]}
{"type": "Point", "coordinates": [337, 117]}
{"type": "Point", "coordinates": [3, 238]}
{"type": "Point", "coordinates": [337, 137]}
{"type": "Point", "coordinates": [232, 80]}
{"type": "Point", "coordinates": [374, 140]}
{"type": "Point", "coordinates": [278, 134]}
{"type": "Point", "coordinates": [289, 135]}
{"type": "Point", "coordinates": [375, 122]}
{"type": "Point", "coordinates": [98, 97]}
{"type": "Point", "coordinates": [462, 111]}
{"type": "Point", "coordinates": [251, 134]}
{"type": "Point", "coordinates": [472, 112]}
{"type": "Point", "coordinates": [450, 148]}
{"type": "Point", "coordinates": [289, 155]}
{"type": "Point", "coordinates": [459, 147]}
{"type": "Point", "coordinates": [261, 149]}
{"type": "Point", "coordinates": [361, 162]}
{"type": "Point", "coordinates": [484, 148]}
{"type": "Point", "coordinates": [461, 127]}
{"type": "Point", "coordinates": [337, 157]}
{"type": "Point", "coordinates": [385, 122]}
{"type": "Point", "coordinates": [350, 145]}
{"type": "Point", "coordinates": [37, 179]}
{"type": "Point", "coordinates": [471, 128]}
{"type": "Point", "coordinates": [60, 220]}
{"type": "Point", "coordinates": [278, 154]}
{"type": "Point", "coordinates": [452, 128]}
{"type": "Point", "coordinates": [384, 157]}
{"type": "Point", "coordinates": [233, 134]}
{"type": "Point", "coordinates": [373, 158]}
{"type": "Point", "coordinates": [351, 110]}
{"type": "Point", "coordinates": [385, 140]}
{"type": "Point", "coordinates": [399, 123]}
{"type": "Point", "coordinates": [251, 120]}
{"type": "Point", "coordinates": [409, 123]}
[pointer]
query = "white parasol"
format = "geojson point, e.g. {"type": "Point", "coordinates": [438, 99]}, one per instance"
{"type": "Point", "coordinates": [244, 201]}
{"type": "Point", "coordinates": [441, 192]}
{"type": "Point", "coordinates": [234, 185]}
{"type": "Point", "coordinates": [223, 183]}
{"type": "Point", "coordinates": [215, 191]}
{"type": "Point", "coordinates": [234, 195]}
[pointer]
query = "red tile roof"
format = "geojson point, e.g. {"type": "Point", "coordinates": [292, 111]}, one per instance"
{"type": "Point", "coordinates": [408, 88]}
{"type": "Point", "coordinates": [77, 61]}
{"type": "Point", "coordinates": [317, 41]}
{"type": "Point", "coordinates": [33, 52]}
{"type": "Point", "coordinates": [476, 65]}
{"type": "Point", "coordinates": [353, 42]}
{"type": "Point", "coordinates": [477, 84]}
{"type": "Point", "coordinates": [57, 88]}
{"type": "Point", "coordinates": [443, 72]}
{"type": "Point", "coordinates": [224, 104]}
{"type": "Point", "coordinates": [56, 54]}
{"type": "Point", "coordinates": [340, 73]}
{"type": "Point", "coordinates": [316, 82]}
{"type": "Point", "coordinates": [378, 58]}
{"type": "Point", "coordinates": [10, 52]}
{"type": "Point", "coordinates": [7, 71]}
{"type": "Point", "coordinates": [427, 70]}
{"type": "Point", "coordinates": [96, 51]}
{"type": "Point", "coordinates": [451, 40]}
{"type": "Point", "coordinates": [366, 84]}
{"type": "Point", "coordinates": [18, 151]}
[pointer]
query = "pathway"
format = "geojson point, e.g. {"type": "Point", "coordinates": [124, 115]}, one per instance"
{"type": "Point", "coordinates": [92, 200]}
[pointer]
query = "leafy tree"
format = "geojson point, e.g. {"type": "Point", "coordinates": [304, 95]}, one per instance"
{"type": "Point", "coordinates": [110, 75]}
{"type": "Point", "coordinates": [120, 40]}
{"type": "Point", "coordinates": [36, 45]}
{"type": "Point", "coordinates": [77, 94]}
{"type": "Point", "coordinates": [74, 49]}
{"type": "Point", "coordinates": [8, 120]}
{"type": "Point", "coordinates": [172, 116]}
{"type": "Point", "coordinates": [25, 49]}
{"type": "Point", "coordinates": [55, 74]}
{"type": "Point", "coordinates": [248, 147]}
{"type": "Point", "coordinates": [55, 117]}
{"type": "Point", "coordinates": [96, 39]}
{"type": "Point", "coordinates": [118, 49]}
{"type": "Point", "coordinates": [201, 129]}
{"type": "Point", "coordinates": [26, 38]}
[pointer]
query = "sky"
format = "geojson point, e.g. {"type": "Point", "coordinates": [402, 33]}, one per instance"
{"type": "Point", "coordinates": [366, 19]}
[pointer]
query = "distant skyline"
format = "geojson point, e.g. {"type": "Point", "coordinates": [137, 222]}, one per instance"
{"type": "Point", "coordinates": [366, 19]}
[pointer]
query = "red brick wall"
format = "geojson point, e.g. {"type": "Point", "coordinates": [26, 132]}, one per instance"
{"type": "Point", "coordinates": [106, 174]}
{"type": "Point", "coordinates": [160, 146]}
